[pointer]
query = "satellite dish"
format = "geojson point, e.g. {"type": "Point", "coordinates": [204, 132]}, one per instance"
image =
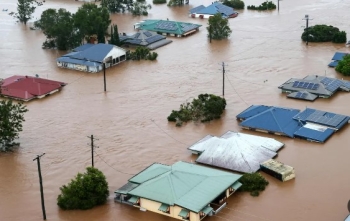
{"type": "Point", "coordinates": [349, 206]}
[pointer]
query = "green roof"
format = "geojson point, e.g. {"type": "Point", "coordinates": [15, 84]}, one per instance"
{"type": "Point", "coordinates": [184, 213]}
{"type": "Point", "coordinates": [164, 207]}
{"type": "Point", "coordinates": [236, 185]}
{"type": "Point", "coordinates": [184, 184]}
{"type": "Point", "coordinates": [207, 210]}
{"type": "Point", "coordinates": [133, 199]}
{"type": "Point", "coordinates": [165, 26]}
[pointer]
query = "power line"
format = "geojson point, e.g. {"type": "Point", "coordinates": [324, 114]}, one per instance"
{"type": "Point", "coordinates": [167, 133]}
{"type": "Point", "coordinates": [237, 92]}
{"type": "Point", "coordinates": [111, 166]}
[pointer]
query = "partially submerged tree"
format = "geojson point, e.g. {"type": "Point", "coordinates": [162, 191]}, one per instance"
{"type": "Point", "coordinates": [218, 27]}
{"type": "Point", "coordinates": [140, 7]}
{"type": "Point", "coordinates": [268, 5]}
{"type": "Point", "coordinates": [136, 7]}
{"type": "Point", "coordinates": [85, 191]}
{"type": "Point", "coordinates": [253, 183]}
{"type": "Point", "coordinates": [25, 9]}
{"type": "Point", "coordinates": [344, 66]}
{"type": "Point", "coordinates": [11, 119]}
{"type": "Point", "coordinates": [236, 4]}
{"type": "Point", "coordinates": [142, 53]}
{"type": "Point", "coordinates": [323, 33]}
{"type": "Point", "coordinates": [205, 108]}
{"type": "Point", "coordinates": [177, 2]}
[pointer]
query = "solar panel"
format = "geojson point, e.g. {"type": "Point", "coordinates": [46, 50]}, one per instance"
{"type": "Point", "coordinates": [326, 81]}
{"type": "Point", "coordinates": [315, 87]}
{"type": "Point", "coordinates": [189, 27]}
{"type": "Point", "coordinates": [333, 86]}
{"type": "Point", "coordinates": [295, 83]}
{"type": "Point", "coordinates": [303, 95]}
{"type": "Point", "coordinates": [166, 25]}
{"type": "Point", "coordinates": [326, 118]}
{"type": "Point", "coordinates": [147, 33]}
{"type": "Point", "coordinates": [346, 84]}
{"type": "Point", "coordinates": [154, 38]}
{"type": "Point", "coordinates": [306, 84]}
{"type": "Point", "coordinates": [301, 84]}
{"type": "Point", "coordinates": [137, 35]}
{"type": "Point", "coordinates": [310, 86]}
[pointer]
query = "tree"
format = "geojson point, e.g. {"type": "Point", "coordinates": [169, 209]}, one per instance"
{"type": "Point", "coordinates": [140, 8]}
{"type": "Point", "coordinates": [236, 4]}
{"type": "Point", "coordinates": [114, 40]}
{"type": "Point", "coordinates": [59, 28]}
{"type": "Point", "coordinates": [205, 108]}
{"type": "Point", "coordinates": [344, 66]}
{"type": "Point", "coordinates": [11, 119]}
{"type": "Point", "coordinates": [117, 6]}
{"type": "Point", "coordinates": [92, 20]}
{"type": "Point", "coordinates": [253, 183]}
{"type": "Point", "coordinates": [142, 53]}
{"type": "Point", "coordinates": [85, 191]}
{"type": "Point", "coordinates": [177, 2]}
{"type": "Point", "coordinates": [323, 33]}
{"type": "Point", "coordinates": [268, 5]}
{"type": "Point", "coordinates": [25, 9]}
{"type": "Point", "coordinates": [218, 27]}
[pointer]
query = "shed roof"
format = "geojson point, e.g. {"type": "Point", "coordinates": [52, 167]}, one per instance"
{"type": "Point", "coordinates": [236, 151]}
{"type": "Point", "coordinates": [184, 184]}
{"type": "Point", "coordinates": [274, 119]}
{"type": "Point", "coordinates": [165, 26]}
{"type": "Point", "coordinates": [214, 8]}
{"type": "Point", "coordinates": [26, 88]}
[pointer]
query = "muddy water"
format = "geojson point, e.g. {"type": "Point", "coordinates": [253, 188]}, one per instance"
{"type": "Point", "coordinates": [130, 119]}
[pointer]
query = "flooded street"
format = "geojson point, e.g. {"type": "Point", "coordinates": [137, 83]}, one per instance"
{"type": "Point", "coordinates": [130, 119]}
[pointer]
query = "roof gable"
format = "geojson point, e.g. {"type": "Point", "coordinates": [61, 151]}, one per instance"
{"type": "Point", "coordinates": [96, 52]}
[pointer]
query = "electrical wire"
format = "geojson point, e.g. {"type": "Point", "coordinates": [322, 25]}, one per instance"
{"type": "Point", "coordinates": [167, 133]}
{"type": "Point", "coordinates": [111, 166]}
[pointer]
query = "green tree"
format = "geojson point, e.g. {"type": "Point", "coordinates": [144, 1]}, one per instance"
{"type": "Point", "coordinates": [140, 7]}
{"type": "Point", "coordinates": [25, 9]}
{"type": "Point", "coordinates": [323, 33]}
{"type": "Point", "coordinates": [92, 20]}
{"type": "Point", "coordinates": [85, 191]}
{"type": "Point", "coordinates": [59, 29]}
{"type": "Point", "coordinates": [117, 6]}
{"type": "Point", "coordinates": [142, 53]}
{"type": "Point", "coordinates": [236, 4]}
{"type": "Point", "coordinates": [344, 66]}
{"type": "Point", "coordinates": [268, 5]}
{"type": "Point", "coordinates": [218, 27]}
{"type": "Point", "coordinates": [114, 40]}
{"type": "Point", "coordinates": [339, 37]}
{"type": "Point", "coordinates": [177, 2]}
{"type": "Point", "coordinates": [11, 119]}
{"type": "Point", "coordinates": [205, 108]}
{"type": "Point", "coordinates": [159, 1]}
{"type": "Point", "coordinates": [253, 183]}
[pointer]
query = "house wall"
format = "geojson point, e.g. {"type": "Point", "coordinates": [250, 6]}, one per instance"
{"type": "Point", "coordinates": [116, 52]}
{"type": "Point", "coordinates": [198, 15]}
{"type": "Point", "coordinates": [174, 210]}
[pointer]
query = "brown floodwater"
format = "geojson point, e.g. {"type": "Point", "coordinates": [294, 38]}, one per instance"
{"type": "Point", "coordinates": [129, 120]}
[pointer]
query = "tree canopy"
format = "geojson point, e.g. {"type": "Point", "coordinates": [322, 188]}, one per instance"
{"type": "Point", "coordinates": [11, 119]}
{"type": "Point", "coordinates": [25, 9]}
{"type": "Point", "coordinates": [65, 30]}
{"type": "Point", "coordinates": [323, 33]}
{"type": "Point", "coordinates": [264, 6]}
{"type": "Point", "coordinates": [136, 7]}
{"type": "Point", "coordinates": [218, 27]}
{"type": "Point", "coordinates": [236, 4]}
{"type": "Point", "coordinates": [253, 183]}
{"type": "Point", "coordinates": [344, 66]}
{"type": "Point", "coordinates": [85, 191]}
{"type": "Point", "coordinates": [177, 2]}
{"type": "Point", "coordinates": [205, 108]}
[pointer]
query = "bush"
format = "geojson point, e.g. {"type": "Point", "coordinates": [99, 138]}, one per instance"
{"type": "Point", "coordinates": [236, 4]}
{"type": "Point", "coordinates": [253, 183]}
{"type": "Point", "coordinates": [323, 33]}
{"type": "Point", "coordinates": [142, 53]}
{"type": "Point", "coordinates": [85, 191]}
{"type": "Point", "coordinates": [344, 66]}
{"type": "Point", "coordinates": [159, 1]}
{"type": "Point", "coordinates": [264, 6]}
{"type": "Point", "coordinates": [205, 108]}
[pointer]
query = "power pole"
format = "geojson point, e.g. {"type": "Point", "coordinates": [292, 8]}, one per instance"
{"type": "Point", "coordinates": [92, 149]}
{"type": "Point", "coordinates": [278, 5]}
{"type": "Point", "coordinates": [223, 79]}
{"type": "Point", "coordinates": [104, 75]}
{"type": "Point", "coordinates": [307, 28]}
{"type": "Point", "coordinates": [41, 185]}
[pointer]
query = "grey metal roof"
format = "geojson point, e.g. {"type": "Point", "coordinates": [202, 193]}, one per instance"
{"type": "Point", "coordinates": [97, 52]}
{"type": "Point", "coordinates": [303, 95]}
{"type": "Point", "coordinates": [127, 188]}
{"type": "Point", "coordinates": [184, 184]}
{"type": "Point", "coordinates": [236, 151]}
{"type": "Point", "coordinates": [145, 38]}
{"type": "Point", "coordinates": [315, 84]}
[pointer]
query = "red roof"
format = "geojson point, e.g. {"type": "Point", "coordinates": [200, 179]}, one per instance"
{"type": "Point", "coordinates": [26, 88]}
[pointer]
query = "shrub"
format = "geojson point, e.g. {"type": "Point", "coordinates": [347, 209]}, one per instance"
{"type": "Point", "coordinates": [264, 6]}
{"type": "Point", "coordinates": [344, 66]}
{"type": "Point", "coordinates": [85, 191]}
{"type": "Point", "coordinates": [339, 37]}
{"type": "Point", "coordinates": [159, 1]}
{"type": "Point", "coordinates": [236, 4]}
{"type": "Point", "coordinates": [323, 33]}
{"type": "Point", "coordinates": [253, 183]}
{"type": "Point", "coordinates": [205, 108]}
{"type": "Point", "coordinates": [142, 53]}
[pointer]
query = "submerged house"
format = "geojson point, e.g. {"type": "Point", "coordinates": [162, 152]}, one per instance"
{"type": "Point", "coordinates": [91, 57]}
{"type": "Point", "coordinates": [216, 7]}
{"type": "Point", "coordinates": [183, 191]}
{"type": "Point", "coordinates": [338, 56]}
{"type": "Point", "coordinates": [236, 151]}
{"type": "Point", "coordinates": [313, 86]}
{"type": "Point", "coordinates": [148, 39]}
{"type": "Point", "coordinates": [170, 28]}
{"type": "Point", "coordinates": [278, 170]}
{"type": "Point", "coordinates": [310, 124]}
{"type": "Point", "coordinates": [26, 88]}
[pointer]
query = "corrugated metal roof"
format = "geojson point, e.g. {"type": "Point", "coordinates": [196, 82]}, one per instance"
{"type": "Point", "coordinates": [338, 56]}
{"type": "Point", "coordinates": [83, 47]}
{"type": "Point", "coordinates": [252, 111]}
{"type": "Point", "coordinates": [333, 64]}
{"type": "Point", "coordinates": [214, 8]}
{"type": "Point", "coordinates": [314, 135]}
{"type": "Point", "coordinates": [236, 151]}
{"type": "Point", "coordinates": [303, 95]}
{"type": "Point", "coordinates": [184, 184]}
{"type": "Point", "coordinates": [274, 119]}
{"type": "Point", "coordinates": [196, 9]}
{"type": "Point", "coordinates": [97, 52]}
{"type": "Point", "coordinates": [78, 61]}
{"type": "Point", "coordinates": [126, 188]}
{"type": "Point", "coordinates": [145, 38]}
{"type": "Point", "coordinates": [165, 26]}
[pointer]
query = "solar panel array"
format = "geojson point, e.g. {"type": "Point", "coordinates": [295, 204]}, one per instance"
{"type": "Point", "coordinates": [225, 9]}
{"type": "Point", "coordinates": [188, 27]}
{"type": "Point", "coordinates": [325, 118]}
{"type": "Point", "coordinates": [137, 35]}
{"type": "Point", "coordinates": [334, 85]}
{"type": "Point", "coordinates": [346, 84]}
{"type": "Point", "coordinates": [154, 38]}
{"type": "Point", "coordinates": [147, 33]}
{"type": "Point", "coordinates": [166, 25]}
{"type": "Point", "coordinates": [306, 85]}
{"type": "Point", "coordinates": [301, 95]}
{"type": "Point", "coordinates": [327, 81]}
{"type": "Point", "coordinates": [134, 41]}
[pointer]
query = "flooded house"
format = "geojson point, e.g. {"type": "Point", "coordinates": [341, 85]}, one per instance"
{"type": "Point", "coordinates": [183, 191]}
{"type": "Point", "coordinates": [148, 39]}
{"type": "Point", "coordinates": [216, 7]}
{"type": "Point", "coordinates": [278, 170]}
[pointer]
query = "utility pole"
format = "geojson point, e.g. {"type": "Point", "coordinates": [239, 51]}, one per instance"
{"type": "Point", "coordinates": [307, 28]}
{"type": "Point", "coordinates": [278, 5]}
{"type": "Point", "coordinates": [92, 149]}
{"type": "Point", "coordinates": [41, 185]}
{"type": "Point", "coordinates": [104, 75]}
{"type": "Point", "coordinates": [223, 79]}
